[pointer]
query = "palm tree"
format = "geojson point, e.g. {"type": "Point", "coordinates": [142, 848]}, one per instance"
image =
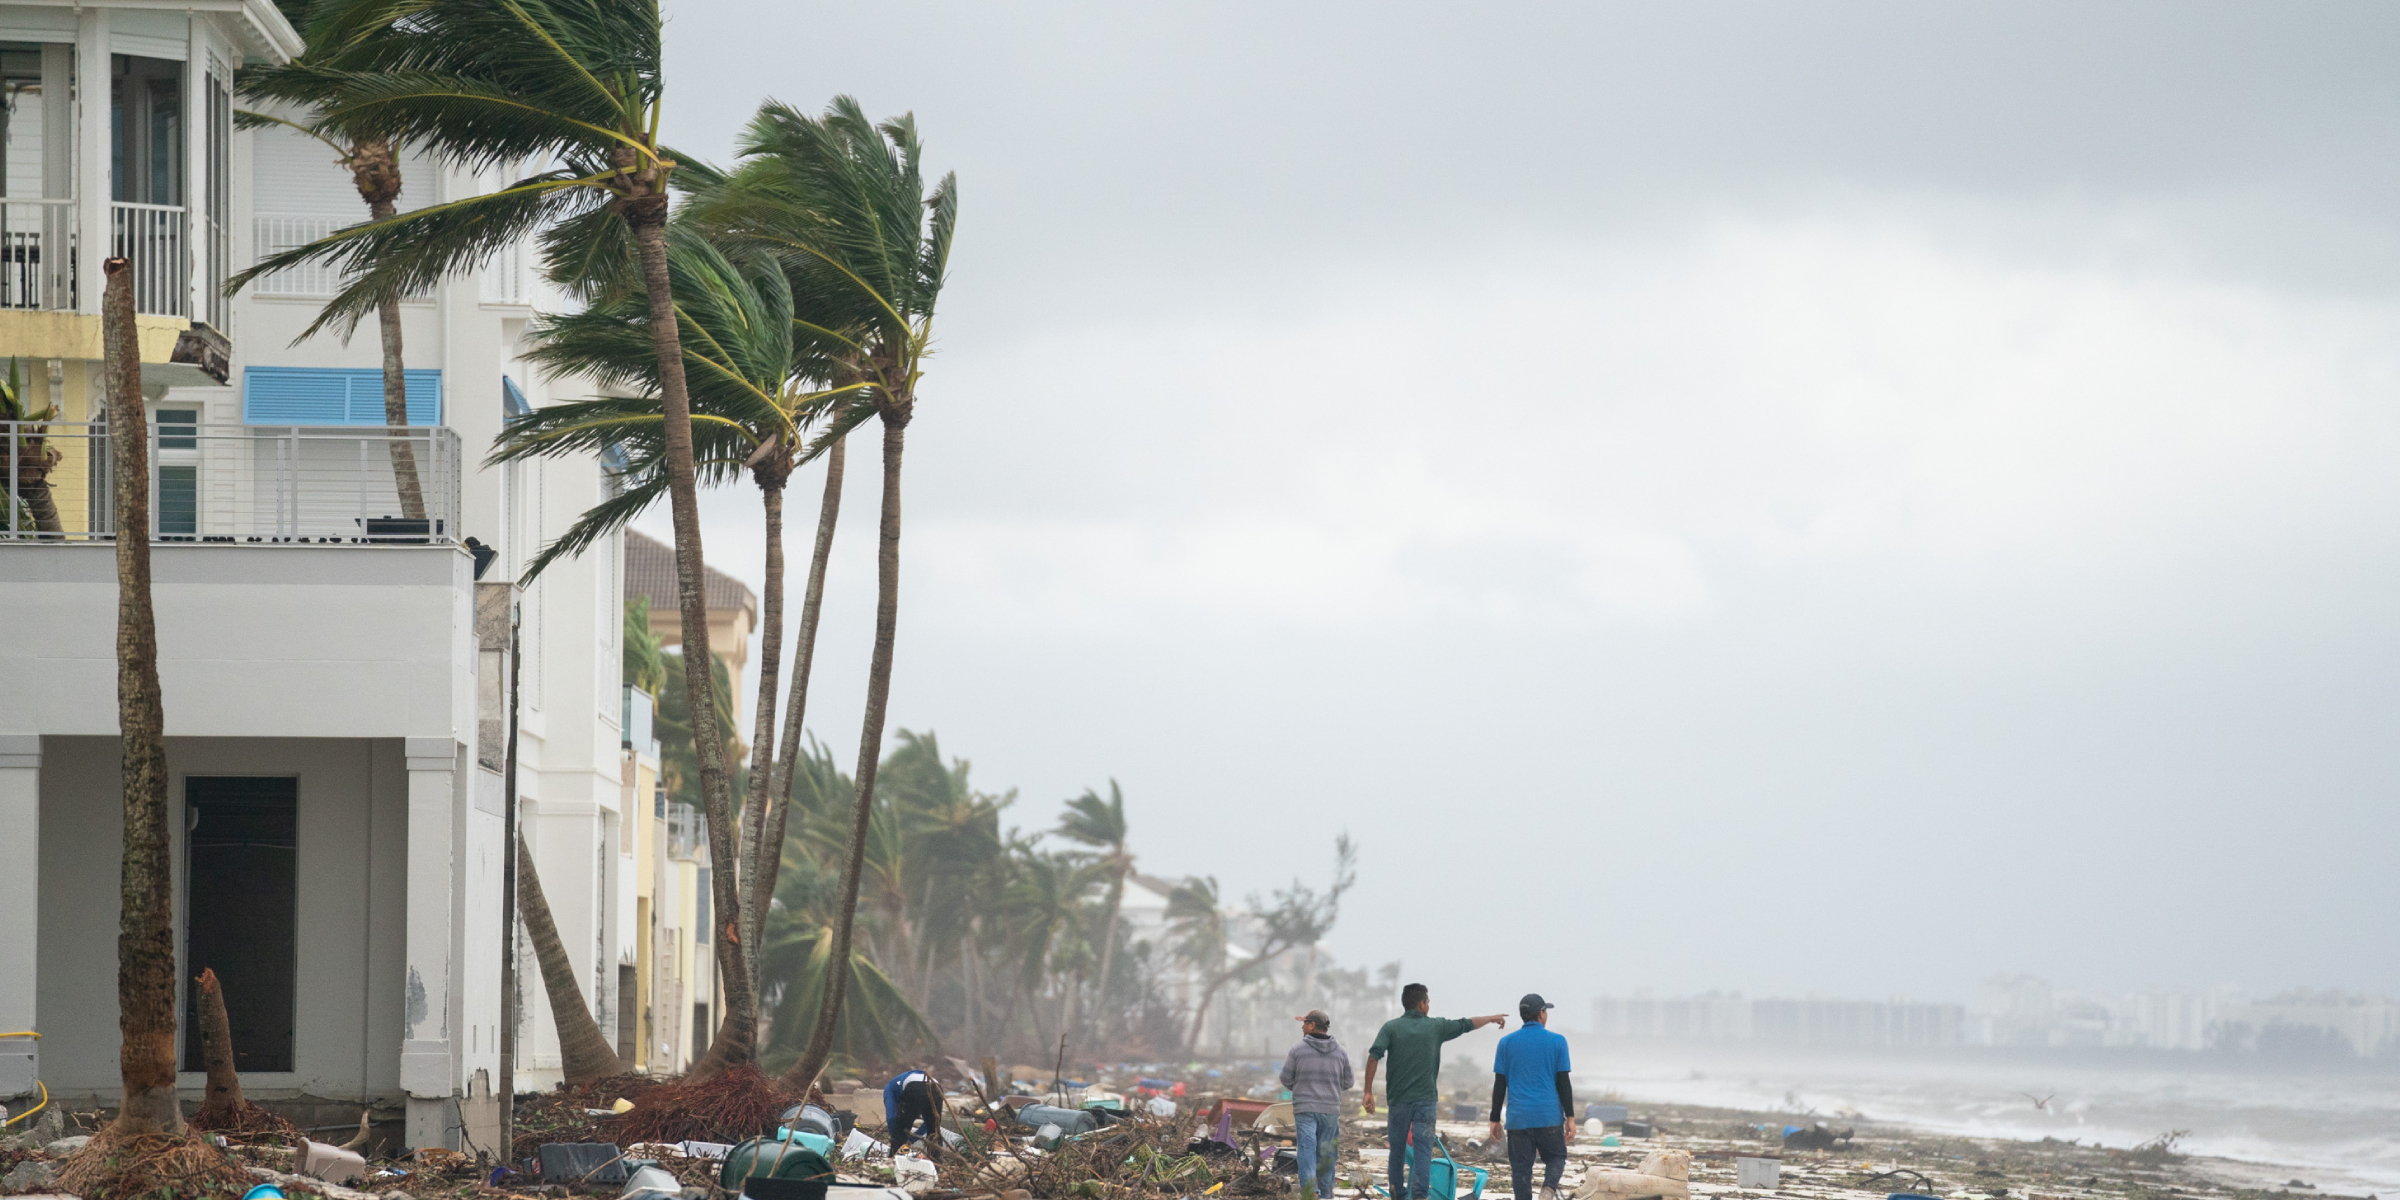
{"type": "Point", "coordinates": [583, 1051]}
{"type": "Point", "coordinates": [1039, 910]}
{"type": "Point", "coordinates": [374, 165]}
{"type": "Point", "coordinates": [1201, 938]}
{"type": "Point", "coordinates": [1300, 916]}
{"type": "Point", "coordinates": [32, 458]}
{"type": "Point", "coordinates": [145, 913]}
{"type": "Point", "coordinates": [749, 363]}
{"type": "Point", "coordinates": [1098, 823]}
{"type": "Point", "coordinates": [577, 84]}
{"type": "Point", "coordinates": [841, 201]}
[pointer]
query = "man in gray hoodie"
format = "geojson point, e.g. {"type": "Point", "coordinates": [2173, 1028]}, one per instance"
{"type": "Point", "coordinates": [1318, 1072]}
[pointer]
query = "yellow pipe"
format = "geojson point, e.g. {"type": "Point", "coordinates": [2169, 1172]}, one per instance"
{"type": "Point", "coordinates": [37, 1083]}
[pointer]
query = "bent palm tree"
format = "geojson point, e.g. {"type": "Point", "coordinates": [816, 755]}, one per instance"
{"type": "Point", "coordinates": [1201, 939]}
{"type": "Point", "coordinates": [584, 1054]}
{"type": "Point", "coordinates": [374, 166]}
{"type": "Point", "coordinates": [750, 362]}
{"type": "Point", "coordinates": [1101, 824]}
{"type": "Point", "coordinates": [491, 84]}
{"type": "Point", "coordinates": [840, 200]}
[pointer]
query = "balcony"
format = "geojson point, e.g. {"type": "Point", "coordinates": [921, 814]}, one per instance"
{"type": "Point", "coordinates": [37, 254]}
{"type": "Point", "coordinates": [359, 485]}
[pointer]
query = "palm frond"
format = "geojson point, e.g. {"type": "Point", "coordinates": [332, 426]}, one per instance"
{"type": "Point", "coordinates": [413, 251]}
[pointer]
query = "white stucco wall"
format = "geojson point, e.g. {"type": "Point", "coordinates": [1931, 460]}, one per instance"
{"type": "Point", "coordinates": [351, 909]}
{"type": "Point", "coordinates": [264, 641]}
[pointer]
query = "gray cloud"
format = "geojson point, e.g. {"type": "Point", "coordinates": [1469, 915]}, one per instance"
{"type": "Point", "coordinates": [1844, 497]}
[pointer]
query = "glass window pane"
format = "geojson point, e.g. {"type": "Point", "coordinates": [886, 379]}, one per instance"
{"type": "Point", "coordinates": [178, 500]}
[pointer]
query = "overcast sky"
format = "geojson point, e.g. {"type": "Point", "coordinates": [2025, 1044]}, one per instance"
{"type": "Point", "coordinates": [1839, 498]}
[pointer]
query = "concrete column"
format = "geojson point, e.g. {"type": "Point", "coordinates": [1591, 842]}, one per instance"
{"type": "Point", "coordinates": [196, 132]}
{"type": "Point", "coordinates": [20, 892]}
{"type": "Point", "coordinates": [427, 1052]}
{"type": "Point", "coordinates": [94, 239]}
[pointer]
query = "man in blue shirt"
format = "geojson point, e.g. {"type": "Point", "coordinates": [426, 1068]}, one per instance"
{"type": "Point", "coordinates": [1529, 1085]}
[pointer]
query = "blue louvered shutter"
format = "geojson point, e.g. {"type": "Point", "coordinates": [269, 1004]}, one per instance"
{"type": "Point", "coordinates": [333, 396]}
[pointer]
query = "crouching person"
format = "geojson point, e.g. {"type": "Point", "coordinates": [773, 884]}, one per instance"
{"type": "Point", "coordinates": [913, 1097]}
{"type": "Point", "coordinates": [1318, 1072]}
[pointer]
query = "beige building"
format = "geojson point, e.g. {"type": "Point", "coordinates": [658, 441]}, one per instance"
{"type": "Point", "coordinates": [670, 965]}
{"type": "Point", "coordinates": [732, 608]}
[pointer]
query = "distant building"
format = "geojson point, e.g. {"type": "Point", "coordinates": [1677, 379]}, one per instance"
{"type": "Point", "coordinates": [1716, 1017]}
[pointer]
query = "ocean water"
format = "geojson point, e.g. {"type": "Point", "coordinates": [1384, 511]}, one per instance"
{"type": "Point", "coordinates": [2338, 1131]}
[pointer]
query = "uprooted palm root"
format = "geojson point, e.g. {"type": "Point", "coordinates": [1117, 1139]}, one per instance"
{"type": "Point", "coordinates": [153, 1166]}
{"type": "Point", "coordinates": [732, 1105]}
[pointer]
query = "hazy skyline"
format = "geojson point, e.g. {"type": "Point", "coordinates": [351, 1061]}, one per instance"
{"type": "Point", "coordinates": [1850, 498]}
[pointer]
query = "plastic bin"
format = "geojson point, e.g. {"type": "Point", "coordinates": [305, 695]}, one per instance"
{"type": "Point", "coordinates": [1441, 1181]}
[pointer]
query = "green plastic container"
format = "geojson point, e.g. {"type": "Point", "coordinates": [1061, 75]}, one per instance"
{"type": "Point", "coordinates": [773, 1159]}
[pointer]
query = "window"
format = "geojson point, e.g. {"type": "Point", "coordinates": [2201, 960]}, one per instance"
{"type": "Point", "coordinates": [178, 499]}
{"type": "Point", "coordinates": [146, 130]}
{"type": "Point", "coordinates": [178, 429]}
{"type": "Point", "coordinates": [333, 396]}
{"type": "Point", "coordinates": [242, 867]}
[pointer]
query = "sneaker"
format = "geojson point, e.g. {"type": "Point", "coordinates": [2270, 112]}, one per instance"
{"type": "Point", "coordinates": [1551, 1193]}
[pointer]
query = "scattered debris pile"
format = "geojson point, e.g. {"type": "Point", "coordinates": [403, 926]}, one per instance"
{"type": "Point", "coordinates": [583, 1113]}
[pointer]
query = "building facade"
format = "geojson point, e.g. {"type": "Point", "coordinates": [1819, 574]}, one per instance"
{"type": "Point", "coordinates": [335, 599]}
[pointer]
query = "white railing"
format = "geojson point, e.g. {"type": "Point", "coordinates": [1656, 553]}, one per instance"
{"type": "Point", "coordinates": [336, 484]}
{"type": "Point", "coordinates": [152, 235]}
{"type": "Point", "coordinates": [37, 253]}
{"type": "Point", "coordinates": [276, 234]}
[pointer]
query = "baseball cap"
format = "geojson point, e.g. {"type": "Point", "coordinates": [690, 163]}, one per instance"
{"type": "Point", "coordinates": [1531, 1004]}
{"type": "Point", "coordinates": [1319, 1017]}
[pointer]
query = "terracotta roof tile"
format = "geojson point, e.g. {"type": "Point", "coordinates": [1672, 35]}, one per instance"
{"type": "Point", "coordinates": [650, 571]}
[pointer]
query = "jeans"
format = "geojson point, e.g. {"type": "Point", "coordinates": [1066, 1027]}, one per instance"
{"type": "Point", "coordinates": [1550, 1141]}
{"type": "Point", "coordinates": [1320, 1142]}
{"type": "Point", "coordinates": [1412, 1121]}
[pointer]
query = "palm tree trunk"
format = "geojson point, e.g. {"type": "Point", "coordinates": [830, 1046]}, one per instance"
{"type": "Point", "coordinates": [224, 1100]}
{"type": "Point", "coordinates": [1208, 996]}
{"type": "Point", "coordinates": [584, 1054]}
{"type": "Point", "coordinates": [762, 736]}
{"type": "Point", "coordinates": [369, 156]}
{"type": "Point", "coordinates": [779, 789]}
{"type": "Point", "coordinates": [1108, 947]}
{"type": "Point", "coordinates": [145, 916]}
{"type": "Point", "coordinates": [870, 746]}
{"type": "Point", "coordinates": [738, 1043]}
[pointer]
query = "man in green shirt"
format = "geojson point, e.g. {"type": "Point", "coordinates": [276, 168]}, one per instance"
{"type": "Point", "coordinates": [1414, 1040]}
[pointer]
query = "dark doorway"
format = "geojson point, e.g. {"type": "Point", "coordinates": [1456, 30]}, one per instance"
{"type": "Point", "coordinates": [244, 861]}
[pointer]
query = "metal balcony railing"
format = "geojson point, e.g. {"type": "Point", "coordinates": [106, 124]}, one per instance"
{"type": "Point", "coordinates": [37, 253]}
{"type": "Point", "coordinates": [152, 235]}
{"type": "Point", "coordinates": [243, 484]}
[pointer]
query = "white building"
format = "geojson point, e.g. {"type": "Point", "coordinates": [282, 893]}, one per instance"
{"type": "Point", "coordinates": [333, 664]}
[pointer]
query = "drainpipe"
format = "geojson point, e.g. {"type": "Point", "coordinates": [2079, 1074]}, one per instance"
{"type": "Point", "coordinates": [508, 906]}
